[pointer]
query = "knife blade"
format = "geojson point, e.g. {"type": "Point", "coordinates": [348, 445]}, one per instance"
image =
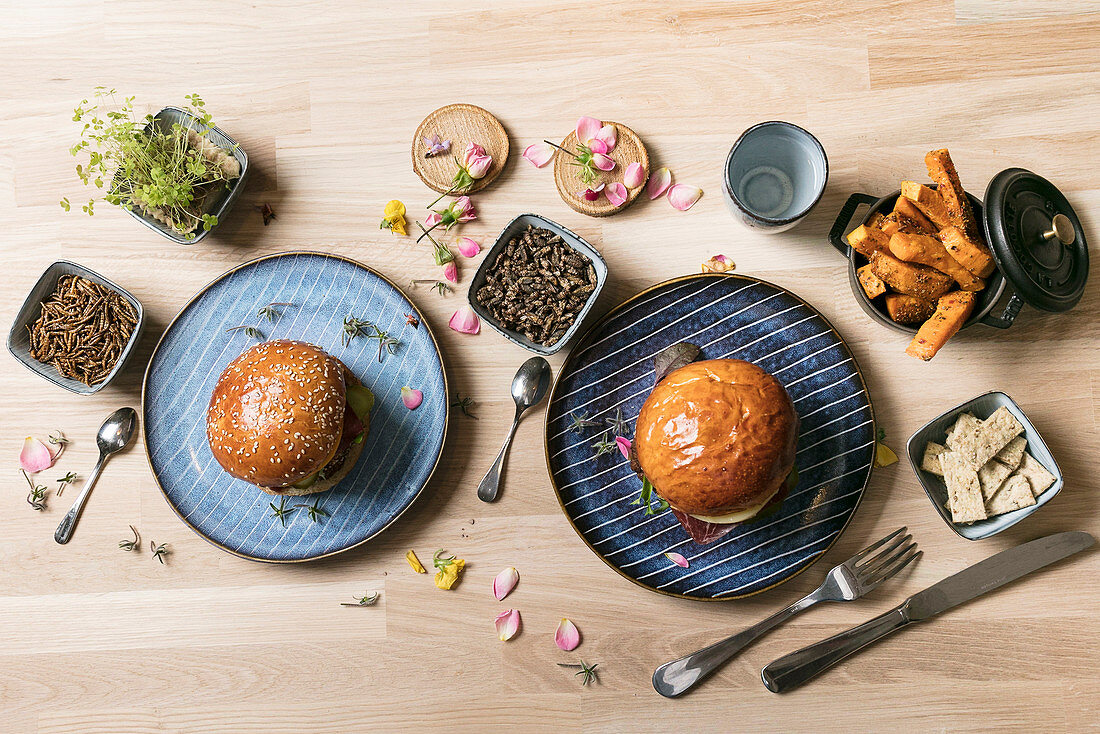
{"type": "Point", "coordinates": [791, 671]}
{"type": "Point", "coordinates": [995, 571]}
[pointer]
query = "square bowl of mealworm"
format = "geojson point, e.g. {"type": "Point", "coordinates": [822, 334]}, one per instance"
{"type": "Point", "coordinates": [76, 328]}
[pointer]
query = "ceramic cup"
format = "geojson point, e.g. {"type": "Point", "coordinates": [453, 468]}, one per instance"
{"type": "Point", "coordinates": [775, 174]}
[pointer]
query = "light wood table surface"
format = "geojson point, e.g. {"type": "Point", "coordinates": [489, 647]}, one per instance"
{"type": "Point", "coordinates": [324, 96]}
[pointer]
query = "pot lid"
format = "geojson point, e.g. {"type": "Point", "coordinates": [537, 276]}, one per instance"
{"type": "Point", "coordinates": [1036, 239]}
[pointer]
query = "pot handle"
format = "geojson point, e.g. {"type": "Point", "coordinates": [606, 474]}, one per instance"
{"type": "Point", "coordinates": [836, 234]}
{"type": "Point", "coordinates": [1012, 310]}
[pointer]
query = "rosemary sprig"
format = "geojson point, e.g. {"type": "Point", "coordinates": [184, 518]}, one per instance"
{"type": "Point", "coordinates": [619, 427]}
{"type": "Point", "coordinates": [270, 312]}
{"type": "Point", "coordinates": [605, 445]}
{"type": "Point", "coordinates": [64, 482]}
{"type": "Point", "coordinates": [440, 561]}
{"type": "Point", "coordinates": [464, 404]}
{"type": "Point", "coordinates": [36, 498]}
{"type": "Point", "coordinates": [131, 545]}
{"type": "Point", "coordinates": [251, 331]}
{"type": "Point", "coordinates": [362, 601]}
{"type": "Point", "coordinates": [354, 327]}
{"type": "Point", "coordinates": [315, 511]}
{"type": "Point", "coordinates": [437, 285]}
{"type": "Point", "coordinates": [160, 552]}
{"type": "Point", "coordinates": [580, 422]}
{"type": "Point", "coordinates": [587, 671]}
{"type": "Point", "coordinates": [59, 441]}
{"type": "Point", "coordinates": [282, 511]}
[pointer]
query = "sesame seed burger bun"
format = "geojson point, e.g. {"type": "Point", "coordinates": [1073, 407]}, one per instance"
{"type": "Point", "coordinates": [277, 416]}
{"type": "Point", "coordinates": [717, 438]}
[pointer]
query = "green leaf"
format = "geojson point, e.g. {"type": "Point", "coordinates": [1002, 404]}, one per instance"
{"type": "Point", "coordinates": [65, 204]}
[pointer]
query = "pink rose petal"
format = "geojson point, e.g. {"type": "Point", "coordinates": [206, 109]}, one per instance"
{"type": "Point", "coordinates": [634, 176]}
{"type": "Point", "coordinates": [567, 636]}
{"type": "Point", "coordinates": [505, 581]}
{"type": "Point", "coordinates": [607, 136]}
{"type": "Point", "coordinates": [468, 247]}
{"type": "Point", "coordinates": [598, 146]}
{"type": "Point", "coordinates": [683, 197]}
{"type": "Point", "coordinates": [587, 128]}
{"type": "Point", "coordinates": [538, 154]}
{"type": "Point", "coordinates": [678, 559]}
{"type": "Point", "coordinates": [602, 162]}
{"type": "Point", "coordinates": [432, 219]}
{"type": "Point", "coordinates": [616, 193]}
{"type": "Point", "coordinates": [465, 321]}
{"type": "Point", "coordinates": [450, 271]}
{"type": "Point", "coordinates": [507, 624]}
{"type": "Point", "coordinates": [35, 456]}
{"type": "Point", "coordinates": [658, 182]}
{"type": "Point", "coordinates": [411, 398]}
{"type": "Point", "coordinates": [591, 194]}
{"type": "Point", "coordinates": [624, 445]}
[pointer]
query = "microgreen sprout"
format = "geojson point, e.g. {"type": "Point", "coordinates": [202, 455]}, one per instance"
{"type": "Point", "coordinates": [588, 672]}
{"type": "Point", "coordinates": [131, 545]}
{"type": "Point", "coordinates": [282, 511]}
{"type": "Point", "coordinates": [363, 601]}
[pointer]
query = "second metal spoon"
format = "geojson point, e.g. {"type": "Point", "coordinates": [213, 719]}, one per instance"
{"type": "Point", "coordinates": [113, 436]}
{"type": "Point", "coordinates": [529, 387]}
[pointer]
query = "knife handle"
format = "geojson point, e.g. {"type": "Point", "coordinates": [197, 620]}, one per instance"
{"type": "Point", "coordinates": [791, 671]}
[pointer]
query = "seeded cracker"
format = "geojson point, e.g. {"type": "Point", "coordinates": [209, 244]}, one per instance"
{"type": "Point", "coordinates": [966, 425]}
{"type": "Point", "coordinates": [964, 493]}
{"type": "Point", "coordinates": [931, 460]}
{"type": "Point", "coordinates": [1035, 473]}
{"type": "Point", "coordinates": [1015, 493]}
{"type": "Point", "coordinates": [992, 476]}
{"type": "Point", "coordinates": [1013, 453]}
{"type": "Point", "coordinates": [995, 433]}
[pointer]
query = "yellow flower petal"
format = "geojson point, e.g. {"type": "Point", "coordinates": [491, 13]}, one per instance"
{"type": "Point", "coordinates": [397, 224]}
{"type": "Point", "coordinates": [446, 577]}
{"type": "Point", "coordinates": [884, 455]}
{"type": "Point", "coordinates": [415, 562]}
{"type": "Point", "coordinates": [393, 210]}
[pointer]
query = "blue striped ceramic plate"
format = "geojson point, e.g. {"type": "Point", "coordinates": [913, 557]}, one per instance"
{"type": "Point", "coordinates": [402, 447]}
{"type": "Point", "coordinates": [731, 316]}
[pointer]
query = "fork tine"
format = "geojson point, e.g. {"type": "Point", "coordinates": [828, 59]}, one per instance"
{"type": "Point", "coordinates": [894, 565]}
{"type": "Point", "coordinates": [870, 565]}
{"type": "Point", "coordinates": [877, 544]}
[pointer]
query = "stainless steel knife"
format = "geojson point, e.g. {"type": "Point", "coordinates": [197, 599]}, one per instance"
{"type": "Point", "coordinates": [791, 671]}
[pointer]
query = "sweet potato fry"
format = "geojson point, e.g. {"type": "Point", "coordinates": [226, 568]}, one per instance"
{"type": "Point", "coordinates": [928, 201]}
{"type": "Point", "coordinates": [866, 240]}
{"type": "Point", "coordinates": [875, 220]}
{"type": "Point", "coordinates": [971, 254]}
{"type": "Point", "coordinates": [890, 224]}
{"type": "Point", "coordinates": [942, 170]}
{"type": "Point", "coordinates": [872, 284]}
{"type": "Point", "coordinates": [908, 309]}
{"type": "Point", "coordinates": [905, 208]}
{"type": "Point", "coordinates": [915, 280]}
{"type": "Point", "coordinates": [952, 311]}
{"type": "Point", "coordinates": [920, 248]}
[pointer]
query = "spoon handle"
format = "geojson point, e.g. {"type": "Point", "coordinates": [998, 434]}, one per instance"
{"type": "Point", "coordinates": [65, 529]}
{"type": "Point", "coordinates": [490, 484]}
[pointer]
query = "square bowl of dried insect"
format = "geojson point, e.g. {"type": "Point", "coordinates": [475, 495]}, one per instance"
{"type": "Point", "coordinates": [76, 328]}
{"type": "Point", "coordinates": [537, 283]}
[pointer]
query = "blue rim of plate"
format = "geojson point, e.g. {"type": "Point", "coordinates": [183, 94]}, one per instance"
{"type": "Point", "coordinates": [814, 364]}
{"type": "Point", "coordinates": [419, 457]}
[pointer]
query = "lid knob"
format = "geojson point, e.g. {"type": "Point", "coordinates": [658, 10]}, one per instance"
{"type": "Point", "coordinates": [1062, 228]}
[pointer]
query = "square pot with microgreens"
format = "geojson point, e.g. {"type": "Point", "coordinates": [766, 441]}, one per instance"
{"type": "Point", "coordinates": [174, 171]}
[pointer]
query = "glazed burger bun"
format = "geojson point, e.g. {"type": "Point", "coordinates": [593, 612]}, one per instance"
{"type": "Point", "coordinates": [277, 416]}
{"type": "Point", "coordinates": [717, 439]}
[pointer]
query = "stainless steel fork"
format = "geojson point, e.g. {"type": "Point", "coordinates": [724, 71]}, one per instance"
{"type": "Point", "coordinates": [852, 579]}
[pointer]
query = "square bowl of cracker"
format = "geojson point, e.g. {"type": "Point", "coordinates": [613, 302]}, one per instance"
{"type": "Point", "coordinates": [984, 466]}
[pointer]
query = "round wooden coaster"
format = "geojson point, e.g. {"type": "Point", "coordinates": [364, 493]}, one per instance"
{"type": "Point", "coordinates": [461, 124]}
{"type": "Point", "coordinates": [628, 149]}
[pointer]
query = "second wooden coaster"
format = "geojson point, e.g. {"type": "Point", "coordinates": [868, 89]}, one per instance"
{"type": "Point", "coordinates": [461, 124]}
{"type": "Point", "coordinates": [628, 149]}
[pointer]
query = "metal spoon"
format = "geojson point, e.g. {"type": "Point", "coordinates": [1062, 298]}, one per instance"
{"type": "Point", "coordinates": [113, 436]}
{"type": "Point", "coordinates": [529, 386]}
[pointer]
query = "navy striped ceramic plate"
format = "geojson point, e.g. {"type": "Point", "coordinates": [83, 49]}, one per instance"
{"type": "Point", "coordinates": [402, 447]}
{"type": "Point", "coordinates": [732, 316]}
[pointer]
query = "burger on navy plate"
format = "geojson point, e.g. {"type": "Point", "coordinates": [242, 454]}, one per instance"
{"type": "Point", "coordinates": [716, 440]}
{"type": "Point", "coordinates": [288, 417]}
